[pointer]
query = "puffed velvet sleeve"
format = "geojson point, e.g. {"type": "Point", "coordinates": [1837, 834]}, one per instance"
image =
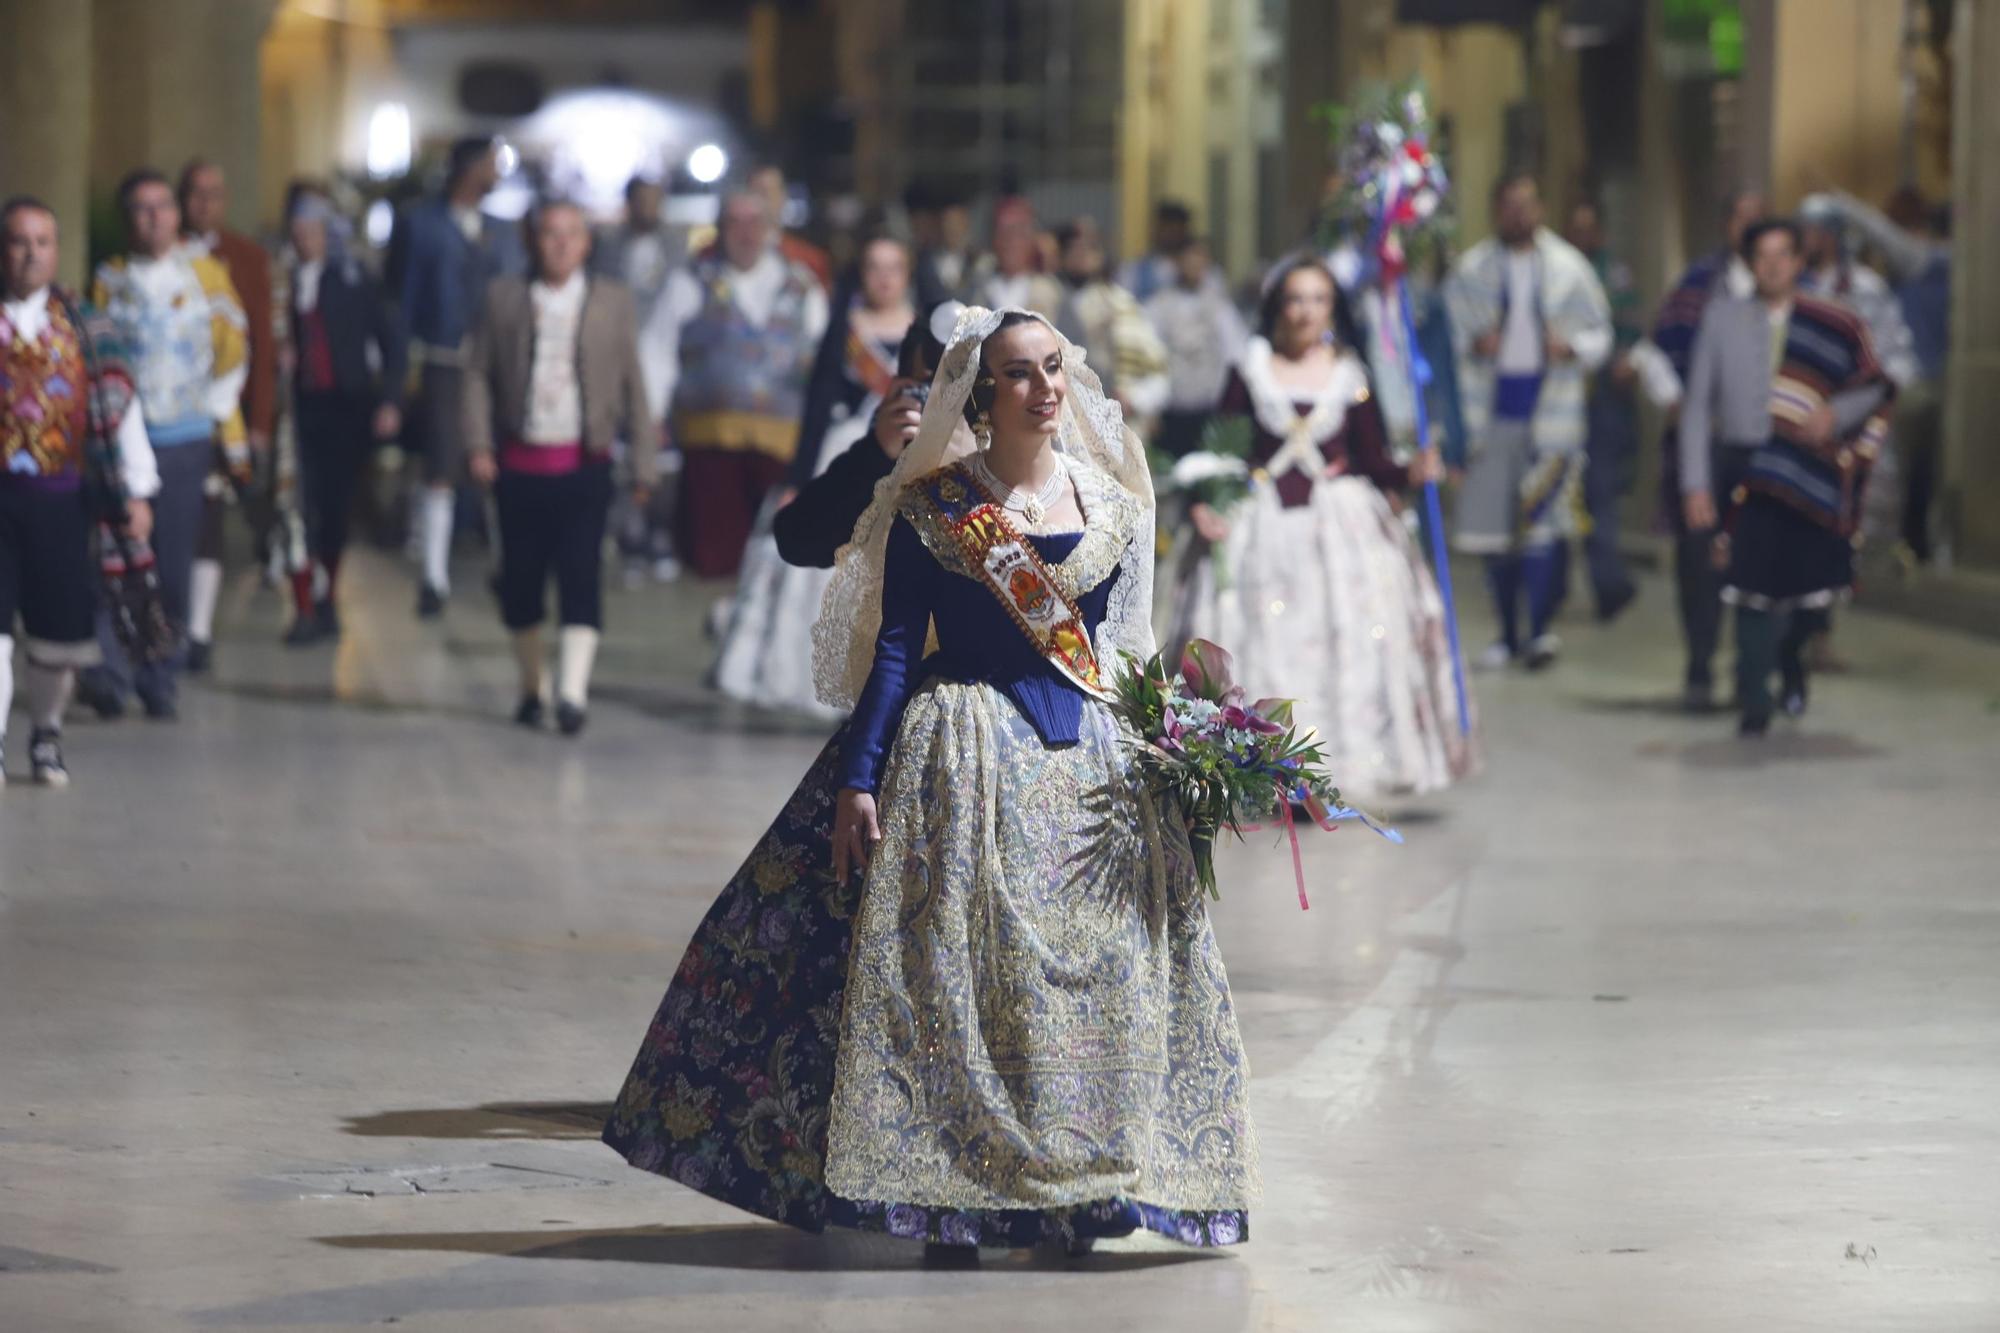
{"type": "Point", "coordinates": [909, 581]}
{"type": "Point", "coordinates": [1368, 448]}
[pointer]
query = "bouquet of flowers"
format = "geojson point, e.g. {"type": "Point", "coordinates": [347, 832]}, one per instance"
{"type": "Point", "coordinates": [1393, 192]}
{"type": "Point", "coordinates": [1217, 473]}
{"type": "Point", "coordinates": [1227, 763]}
{"type": "Point", "coordinates": [1215, 480]}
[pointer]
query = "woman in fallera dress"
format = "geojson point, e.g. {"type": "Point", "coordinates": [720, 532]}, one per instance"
{"type": "Point", "coordinates": [1317, 586]}
{"type": "Point", "coordinates": [965, 990]}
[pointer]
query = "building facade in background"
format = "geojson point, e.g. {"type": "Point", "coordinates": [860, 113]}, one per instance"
{"type": "Point", "coordinates": [1656, 108]}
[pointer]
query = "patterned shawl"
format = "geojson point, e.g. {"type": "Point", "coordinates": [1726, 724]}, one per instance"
{"type": "Point", "coordinates": [111, 390]}
{"type": "Point", "coordinates": [1574, 308]}
{"type": "Point", "coordinates": [1827, 353]}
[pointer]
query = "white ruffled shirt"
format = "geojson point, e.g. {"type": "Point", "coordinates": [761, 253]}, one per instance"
{"type": "Point", "coordinates": [555, 398]}
{"type": "Point", "coordinates": [29, 317]}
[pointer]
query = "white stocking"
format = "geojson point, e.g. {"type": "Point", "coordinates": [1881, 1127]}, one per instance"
{"type": "Point", "coordinates": [437, 514]}
{"type": "Point", "coordinates": [576, 654]}
{"type": "Point", "coordinates": [6, 681]}
{"type": "Point", "coordinates": [204, 591]}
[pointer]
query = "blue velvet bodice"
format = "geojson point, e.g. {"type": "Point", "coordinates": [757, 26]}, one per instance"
{"type": "Point", "coordinates": [977, 641]}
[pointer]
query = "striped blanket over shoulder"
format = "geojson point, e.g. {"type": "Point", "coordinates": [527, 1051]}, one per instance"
{"type": "Point", "coordinates": [1827, 352]}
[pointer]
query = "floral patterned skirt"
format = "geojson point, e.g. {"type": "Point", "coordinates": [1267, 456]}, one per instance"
{"type": "Point", "coordinates": [1015, 1029]}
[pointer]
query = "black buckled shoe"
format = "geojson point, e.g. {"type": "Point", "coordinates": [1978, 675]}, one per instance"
{"type": "Point", "coordinates": [45, 758]}
{"type": "Point", "coordinates": [950, 1256]}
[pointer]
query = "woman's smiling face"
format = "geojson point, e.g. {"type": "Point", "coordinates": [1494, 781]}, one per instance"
{"type": "Point", "coordinates": [1025, 363]}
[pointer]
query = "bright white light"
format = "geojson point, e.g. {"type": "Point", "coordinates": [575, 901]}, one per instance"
{"type": "Point", "coordinates": [379, 222]}
{"type": "Point", "coordinates": [506, 159]}
{"type": "Point", "coordinates": [587, 144]}
{"type": "Point", "coordinates": [388, 140]}
{"type": "Point", "coordinates": [708, 163]}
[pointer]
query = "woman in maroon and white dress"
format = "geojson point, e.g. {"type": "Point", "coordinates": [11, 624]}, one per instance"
{"type": "Point", "coordinates": [1313, 581]}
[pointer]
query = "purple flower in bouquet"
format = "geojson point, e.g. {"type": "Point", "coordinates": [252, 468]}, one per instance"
{"type": "Point", "coordinates": [1249, 719]}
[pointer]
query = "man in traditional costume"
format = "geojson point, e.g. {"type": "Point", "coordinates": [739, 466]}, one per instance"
{"type": "Point", "coordinates": [72, 449]}
{"type": "Point", "coordinates": [1532, 324]}
{"type": "Point", "coordinates": [1785, 411]}
{"type": "Point", "coordinates": [204, 199]}
{"type": "Point", "coordinates": [1662, 361]}
{"type": "Point", "coordinates": [552, 380]}
{"type": "Point", "coordinates": [445, 254]}
{"type": "Point", "coordinates": [177, 313]}
{"type": "Point", "coordinates": [727, 355]}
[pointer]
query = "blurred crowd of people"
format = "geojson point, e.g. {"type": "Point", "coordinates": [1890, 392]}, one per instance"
{"type": "Point", "coordinates": [719, 403]}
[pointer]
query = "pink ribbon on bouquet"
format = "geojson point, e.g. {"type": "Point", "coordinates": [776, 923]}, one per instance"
{"type": "Point", "coordinates": [1327, 820]}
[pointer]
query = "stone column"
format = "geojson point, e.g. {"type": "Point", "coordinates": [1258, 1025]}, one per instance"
{"type": "Point", "coordinates": [177, 79]}
{"type": "Point", "coordinates": [1314, 69]}
{"type": "Point", "coordinates": [1971, 499]}
{"type": "Point", "coordinates": [45, 104]}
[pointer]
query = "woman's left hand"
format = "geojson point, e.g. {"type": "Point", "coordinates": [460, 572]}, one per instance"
{"type": "Point", "coordinates": [855, 832]}
{"type": "Point", "coordinates": [1427, 466]}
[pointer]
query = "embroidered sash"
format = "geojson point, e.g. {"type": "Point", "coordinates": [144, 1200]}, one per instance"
{"type": "Point", "coordinates": [997, 555]}
{"type": "Point", "coordinates": [867, 366]}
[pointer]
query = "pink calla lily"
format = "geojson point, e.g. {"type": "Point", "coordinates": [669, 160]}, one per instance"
{"type": "Point", "coordinates": [1278, 711]}
{"type": "Point", "coordinates": [1207, 670]}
